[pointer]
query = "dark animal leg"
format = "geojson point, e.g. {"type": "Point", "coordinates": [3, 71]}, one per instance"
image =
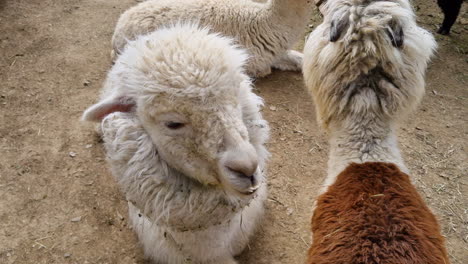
{"type": "Point", "coordinates": [451, 9]}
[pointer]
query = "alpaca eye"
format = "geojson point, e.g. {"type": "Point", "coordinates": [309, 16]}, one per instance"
{"type": "Point", "coordinates": [174, 125]}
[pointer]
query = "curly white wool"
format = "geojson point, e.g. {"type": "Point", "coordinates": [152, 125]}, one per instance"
{"type": "Point", "coordinates": [177, 220]}
{"type": "Point", "coordinates": [185, 139]}
{"type": "Point", "coordinates": [267, 30]}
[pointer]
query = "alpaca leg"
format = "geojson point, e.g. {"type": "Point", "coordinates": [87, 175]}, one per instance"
{"type": "Point", "coordinates": [290, 61]}
{"type": "Point", "coordinates": [451, 11]}
{"type": "Point", "coordinates": [259, 72]}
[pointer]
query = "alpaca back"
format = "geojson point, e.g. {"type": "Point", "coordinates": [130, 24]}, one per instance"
{"type": "Point", "coordinates": [367, 56]}
{"type": "Point", "coordinates": [373, 214]}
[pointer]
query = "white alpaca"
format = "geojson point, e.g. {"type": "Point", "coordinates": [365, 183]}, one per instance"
{"type": "Point", "coordinates": [267, 30]}
{"type": "Point", "coordinates": [186, 144]}
{"type": "Point", "coordinates": [365, 66]}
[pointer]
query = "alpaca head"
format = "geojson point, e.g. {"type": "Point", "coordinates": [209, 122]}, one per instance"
{"type": "Point", "coordinates": [189, 91]}
{"type": "Point", "coordinates": [368, 58]}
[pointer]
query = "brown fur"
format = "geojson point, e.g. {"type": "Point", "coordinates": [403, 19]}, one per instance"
{"type": "Point", "coordinates": [373, 214]}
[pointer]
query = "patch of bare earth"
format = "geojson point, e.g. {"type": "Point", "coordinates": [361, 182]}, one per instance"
{"type": "Point", "coordinates": [59, 203]}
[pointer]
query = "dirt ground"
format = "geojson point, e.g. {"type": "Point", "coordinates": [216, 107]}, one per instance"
{"type": "Point", "coordinates": [59, 203]}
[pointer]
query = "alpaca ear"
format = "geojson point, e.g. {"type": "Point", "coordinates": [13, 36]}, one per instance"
{"type": "Point", "coordinates": [338, 27]}
{"type": "Point", "coordinates": [97, 112]}
{"type": "Point", "coordinates": [396, 34]}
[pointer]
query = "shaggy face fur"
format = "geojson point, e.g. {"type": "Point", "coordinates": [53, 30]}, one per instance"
{"type": "Point", "coordinates": [364, 70]}
{"type": "Point", "coordinates": [186, 144]}
{"type": "Point", "coordinates": [267, 31]}
{"type": "Point", "coordinates": [373, 214]}
{"type": "Point", "coordinates": [365, 66]}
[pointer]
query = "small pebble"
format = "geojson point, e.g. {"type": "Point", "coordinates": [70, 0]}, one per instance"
{"type": "Point", "coordinates": [86, 82]}
{"type": "Point", "coordinates": [89, 146]}
{"type": "Point", "coordinates": [66, 255]}
{"type": "Point", "coordinates": [72, 154]}
{"type": "Point", "coordinates": [273, 108]}
{"type": "Point", "coordinates": [76, 219]}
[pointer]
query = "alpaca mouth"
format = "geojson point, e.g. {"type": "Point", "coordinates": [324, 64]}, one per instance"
{"type": "Point", "coordinates": [239, 183]}
{"type": "Point", "coordinates": [249, 192]}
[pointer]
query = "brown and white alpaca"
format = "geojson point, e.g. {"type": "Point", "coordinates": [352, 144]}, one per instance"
{"type": "Point", "coordinates": [365, 66]}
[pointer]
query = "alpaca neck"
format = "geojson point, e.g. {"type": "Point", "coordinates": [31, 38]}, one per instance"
{"type": "Point", "coordinates": [370, 140]}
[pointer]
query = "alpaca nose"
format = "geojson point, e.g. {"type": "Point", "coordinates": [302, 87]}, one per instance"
{"type": "Point", "coordinates": [240, 162]}
{"type": "Point", "coordinates": [243, 167]}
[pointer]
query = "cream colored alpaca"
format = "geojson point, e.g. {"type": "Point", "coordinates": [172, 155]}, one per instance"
{"type": "Point", "coordinates": [185, 140]}
{"type": "Point", "coordinates": [267, 30]}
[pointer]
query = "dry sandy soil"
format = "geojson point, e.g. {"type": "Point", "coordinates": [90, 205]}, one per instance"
{"type": "Point", "coordinates": [59, 203]}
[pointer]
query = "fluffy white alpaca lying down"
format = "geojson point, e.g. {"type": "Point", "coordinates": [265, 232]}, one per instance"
{"type": "Point", "coordinates": [266, 30]}
{"type": "Point", "coordinates": [185, 138]}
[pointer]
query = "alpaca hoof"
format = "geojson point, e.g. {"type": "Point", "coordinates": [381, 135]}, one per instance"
{"type": "Point", "coordinates": [443, 31]}
{"type": "Point", "coordinates": [291, 61]}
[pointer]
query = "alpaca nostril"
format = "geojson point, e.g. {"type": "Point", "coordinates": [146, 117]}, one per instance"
{"type": "Point", "coordinates": [241, 173]}
{"type": "Point", "coordinates": [253, 180]}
